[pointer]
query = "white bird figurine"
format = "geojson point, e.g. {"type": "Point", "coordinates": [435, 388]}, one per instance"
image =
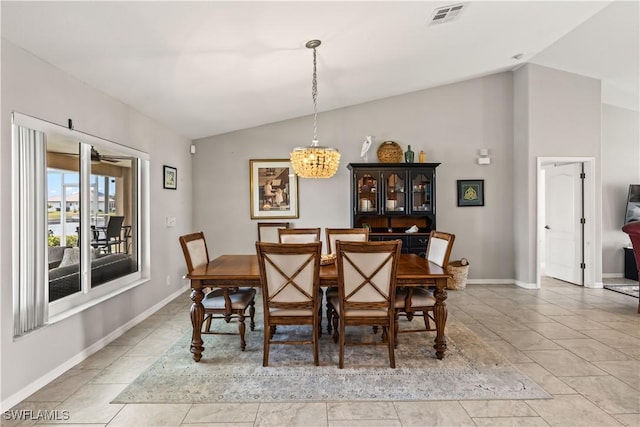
{"type": "Point", "coordinates": [366, 145]}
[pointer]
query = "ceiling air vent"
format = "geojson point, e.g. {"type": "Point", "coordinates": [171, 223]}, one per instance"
{"type": "Point", "coordinates": [446, 14]}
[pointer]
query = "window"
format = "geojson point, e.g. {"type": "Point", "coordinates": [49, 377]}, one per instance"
{"type": "Point", "coordinates": [79, 235]}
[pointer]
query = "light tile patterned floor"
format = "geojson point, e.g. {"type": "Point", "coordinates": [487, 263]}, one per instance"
{"type": "Point", "coordinates": [581, 345]}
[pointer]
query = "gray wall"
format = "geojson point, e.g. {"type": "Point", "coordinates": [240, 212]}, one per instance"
{"type": "Point", "coordinates": [450, 123]}
{"type": "Point", "coordinates": [558, 115]}
{"type": "Point", "coordinates": [33, 87]}
{"type": "Point", "coordinates": [620, 167]}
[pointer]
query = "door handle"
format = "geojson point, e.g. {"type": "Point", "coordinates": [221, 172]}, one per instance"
{"type": "Point", "coordinates": [546, 227]}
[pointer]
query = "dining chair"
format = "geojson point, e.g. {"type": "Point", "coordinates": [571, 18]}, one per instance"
{"type": "Point", "coordinates": [268, 231]}
{"type": "Point", "coordinates": [633, 230]}
{"type": "Point", "coordinates": [298, 235]}
{"type": "Point", "coordinates": [290, 280]}
{"type": "Point", "coordinates": [366, 291]}
{"type": "Point", "coordinates": [106, 237]}
{"type": "Point", "coordinates": [302, 235]}
{"type": "Point", "coordinates": [418, 299]}
{"type": "Point", "coordinates": [226, 303]}
{"type": "Point", "coordinates": [346, 235]}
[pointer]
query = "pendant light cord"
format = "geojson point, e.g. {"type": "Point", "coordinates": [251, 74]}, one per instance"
{"type": "Point", "coordinates": [314, 95]}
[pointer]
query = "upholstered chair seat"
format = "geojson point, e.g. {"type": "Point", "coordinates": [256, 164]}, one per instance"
{"type": "Point", "coordinates": [214, 300]}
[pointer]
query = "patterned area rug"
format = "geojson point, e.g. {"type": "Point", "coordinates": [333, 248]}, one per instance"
{"type": "Point", "coordinates": [470, 370]}
{"type": "Point", "coordinates": [632, 290]}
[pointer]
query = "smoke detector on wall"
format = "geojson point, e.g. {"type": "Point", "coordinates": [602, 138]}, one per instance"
{"type": "Point", "coordinates": [446, 13]}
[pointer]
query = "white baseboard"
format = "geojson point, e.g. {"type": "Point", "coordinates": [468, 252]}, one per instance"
{"type": "Point", "coordinates": [36, 385]}
{"type": "Point", "coordinates": [612, 275]}
{"type": "Point", "coordinates": [526, 285]}
{"type": "Point", "coordinates": [490, 281]}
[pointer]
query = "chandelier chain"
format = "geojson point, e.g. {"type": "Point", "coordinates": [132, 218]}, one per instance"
{"type": "Point", "coordinates": [314, 95]}
{"type": "Point", "coordinates": [315, 161]}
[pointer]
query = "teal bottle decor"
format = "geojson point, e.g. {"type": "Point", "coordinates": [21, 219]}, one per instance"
{"type": "Point", "coordinates": [408, 156]}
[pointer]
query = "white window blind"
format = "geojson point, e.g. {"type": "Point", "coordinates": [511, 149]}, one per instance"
{"type": "Point", "coordinates": [30, 293]}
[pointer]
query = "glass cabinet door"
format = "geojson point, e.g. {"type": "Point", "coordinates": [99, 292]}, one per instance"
{"type": "Point", "coordinates": [421, 191]}
{"type": "Point", "coordinates": [367, 191]}
{"type": "Point", "coordinates": [394, 195]}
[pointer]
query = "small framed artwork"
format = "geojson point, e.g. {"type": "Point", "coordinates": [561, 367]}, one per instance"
{"type": "Point", "coordinates": [273, 189]}
{"type": "Point", "coordinates": [170, 177]}
{"type": "Point", "coordinates": [471, 192]}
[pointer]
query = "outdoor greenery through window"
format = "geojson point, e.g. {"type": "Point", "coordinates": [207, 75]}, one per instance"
{"type": "Point", "coordinates": [88, 206]}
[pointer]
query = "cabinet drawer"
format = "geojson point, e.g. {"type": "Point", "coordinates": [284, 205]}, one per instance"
{"type": "Point", "coordinates": [419, 242]}
{"type": "Point", "coordinates": [405, 241]}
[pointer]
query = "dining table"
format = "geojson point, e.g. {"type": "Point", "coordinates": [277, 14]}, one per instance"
{"type": "Point", "coordinates": [244, 271]}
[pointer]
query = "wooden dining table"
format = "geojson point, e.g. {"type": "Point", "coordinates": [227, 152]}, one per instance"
{"type": "Point", "coordinates": [244, 271]}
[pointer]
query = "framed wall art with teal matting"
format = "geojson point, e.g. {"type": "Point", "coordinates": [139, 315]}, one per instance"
{"type": "Point", "coordinates": [471, 192]}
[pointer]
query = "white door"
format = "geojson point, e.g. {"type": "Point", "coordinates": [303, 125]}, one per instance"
{"type": "Point", "coordinates": [564, 230]}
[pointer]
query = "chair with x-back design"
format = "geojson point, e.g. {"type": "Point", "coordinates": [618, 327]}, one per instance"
{"type": "Point", "coordinates": [345, 235]}
{"type": "Point", "coordinates": [290, 280]}
{"type": "Point", "coordinates": [366, 291]}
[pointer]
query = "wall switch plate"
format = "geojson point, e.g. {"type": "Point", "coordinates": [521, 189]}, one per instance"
{"type": "Point", "coordinates": [484, 160]}
{"type": "Point", "coordinates": [171, 221]}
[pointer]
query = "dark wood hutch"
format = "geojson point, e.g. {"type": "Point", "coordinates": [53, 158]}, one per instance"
{"type": "Point", "coordinates": [390, 198]}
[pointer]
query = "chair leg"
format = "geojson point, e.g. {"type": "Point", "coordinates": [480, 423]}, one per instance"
{"type": "Point", "coordinates": [391, 345]}
{"type": "Point", "coordinates": [335, 320]}
{"type": "Point", "coordinates": [320, 296]}
{"type": "Point", "coordinates": [207, 325]}
{"type": "Point", "coordinates": [425, 316]}
{"type": "Point", "coordinates": [316, 350]}
{"type": "Point", "coordinates": [265, 346]}
{"type": "Point", "coordinates": [396, 317]}
{"type": "Point", "coordinates": [342, 338]}
{"type": "Point", "coordinates": [241, 330]}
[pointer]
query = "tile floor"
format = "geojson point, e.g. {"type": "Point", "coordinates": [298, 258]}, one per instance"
{"type": "Point", "coordinates": [581, 345]}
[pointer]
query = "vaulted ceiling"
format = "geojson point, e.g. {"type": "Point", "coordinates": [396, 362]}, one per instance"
{"type": "Point", "coordinates": [206, 68]}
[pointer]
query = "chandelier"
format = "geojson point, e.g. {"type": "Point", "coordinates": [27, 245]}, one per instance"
{"type": "Point", "coordinates": [315, 161]}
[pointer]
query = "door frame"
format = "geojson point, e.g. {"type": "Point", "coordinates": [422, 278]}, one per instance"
{"type": "Point", "coordinates": [588, 201]}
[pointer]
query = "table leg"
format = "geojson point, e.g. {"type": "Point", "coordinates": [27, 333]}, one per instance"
{"type": "Point", "coordinates": [440, 315]}
{"type": "Point", "coordinates": [197, 317]}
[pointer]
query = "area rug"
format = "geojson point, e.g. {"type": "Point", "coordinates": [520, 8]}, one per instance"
{"type": "Point", "coordinates": [632, 290]}
{"type": "Point", "coordinates": [470, 370]}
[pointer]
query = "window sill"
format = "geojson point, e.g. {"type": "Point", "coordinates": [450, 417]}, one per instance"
{"type": "Point", "coordinates": [95, 301]}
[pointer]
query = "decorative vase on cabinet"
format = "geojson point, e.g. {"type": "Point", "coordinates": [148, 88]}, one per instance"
{"type": "Point", "coordinates": [408, 155]}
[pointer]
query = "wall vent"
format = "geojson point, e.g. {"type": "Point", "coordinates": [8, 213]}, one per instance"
{"type": "Point", "coordinates": [446, 13]}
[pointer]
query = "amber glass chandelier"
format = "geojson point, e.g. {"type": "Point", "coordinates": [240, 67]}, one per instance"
{"type": "Point", "coordinates": [315, 161]}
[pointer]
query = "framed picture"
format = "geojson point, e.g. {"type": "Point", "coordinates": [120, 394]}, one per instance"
{"type": "Point", "coordinates": [170, 175]}
{"type": "Point", "coordinates": [274, 189]}
{"type": "Point", "coordinates": [471, 192]}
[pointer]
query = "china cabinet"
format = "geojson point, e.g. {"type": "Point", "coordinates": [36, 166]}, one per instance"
{"type": "Point", "coordinates": [391, 198]}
